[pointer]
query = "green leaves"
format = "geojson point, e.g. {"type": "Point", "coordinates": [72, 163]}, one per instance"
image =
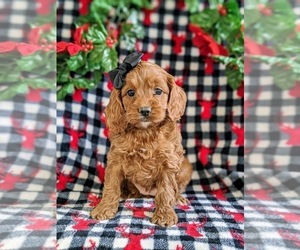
{"type": "Point", "coordinates": [220, 20]}
{"type": "Point", "coordinates": [234, 70]}
{"type": "Point", "coordinates": [283, 76]}
{"type": "Point", "coordinates": [66, 89]}
{"type": "Point", "coordinates": [131, 31]}
{"type": "Point", "coordinates": [206, 19]}
{"type": "Point", "coordinates": [77, 62]}
{"type": "Point", "coordinates": [97, 34]}
{"type": "Point", "coordinates": [285, 71]}
{"type": "Point", "coordinates": [223, 21]}
{"type": "Point", "coordinates": [110, 21]}
{"type": "Point", "coordinates": [235, 75]}
{"type": "Point", "coordinates": [12, 90]}
{"type": "Point", "coordinates": [110, 59]}
{"type": "Point", "coordinates": [273, 23]}
{"type": "Point", "coordinates": [192, 5]}
{"type": "Point", "coordinates": [142, 3]}
{"type": "Point", "coordinates": [261, 19]}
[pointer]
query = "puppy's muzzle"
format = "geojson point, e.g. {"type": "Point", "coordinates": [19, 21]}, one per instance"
{"type": "Point", "coordinates": [145, 111]}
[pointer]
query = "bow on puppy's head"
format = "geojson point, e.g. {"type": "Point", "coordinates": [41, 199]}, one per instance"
{"type": "Point", "coordinates": [118, 75]}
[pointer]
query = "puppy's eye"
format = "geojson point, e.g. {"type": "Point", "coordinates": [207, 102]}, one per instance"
{"type": "Point", "coordinates": [130, 92]}
{"type": "Point", "coordinates": [157, 91]}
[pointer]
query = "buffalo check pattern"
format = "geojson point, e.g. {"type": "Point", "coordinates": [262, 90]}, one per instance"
{"type": "Point", "coordinates": [27, 151]}
{"type": "Point", "coordinates": [215, 217]}
{"type": "Point", "coordinates": [27, 162]}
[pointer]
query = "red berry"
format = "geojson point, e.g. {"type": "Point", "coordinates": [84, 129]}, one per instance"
{"type": "Point", "coordinates": [267, 12]}
{"type": "Point", "coordinates": [222, 10]}
{"type": "Point", "coordinates": [264, 10]}
{"type": "Point", "coordinates": [85, 50]}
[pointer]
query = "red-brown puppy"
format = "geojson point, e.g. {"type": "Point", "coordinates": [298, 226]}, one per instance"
{"type": "Point", "coordinates": [146, 155]}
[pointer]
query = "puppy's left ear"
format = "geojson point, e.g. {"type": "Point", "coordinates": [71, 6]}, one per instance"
{"type": "Point", "coordinates": [177, 100]}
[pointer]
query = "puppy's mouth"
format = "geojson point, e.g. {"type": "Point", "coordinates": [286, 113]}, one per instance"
{"type": "Point", "coordinates": [145, 122]}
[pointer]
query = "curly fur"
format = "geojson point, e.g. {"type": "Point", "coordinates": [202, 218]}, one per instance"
{"type": "Point", "coordinates": [146, 157]}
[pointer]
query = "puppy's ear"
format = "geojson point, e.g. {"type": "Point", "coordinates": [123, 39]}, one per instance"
{"type": "Point", "coordinates": [114, 112]}
{"type": "Point", "coordinates": [177, 100]}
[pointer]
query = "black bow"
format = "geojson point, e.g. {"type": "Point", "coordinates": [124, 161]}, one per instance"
{"type": "Point", "coordinates": [117, 75]}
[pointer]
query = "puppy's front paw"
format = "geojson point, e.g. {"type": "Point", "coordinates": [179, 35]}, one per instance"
{"type": "Point", "coordinates": [180, 200]}
{"type": "Point", "coordinates": [165, 219]}
{"type": "Point", "coordinates": [103, 212]}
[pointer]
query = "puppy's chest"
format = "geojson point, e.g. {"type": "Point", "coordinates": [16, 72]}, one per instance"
{"type": "Point", "coordinates": [143, 163]}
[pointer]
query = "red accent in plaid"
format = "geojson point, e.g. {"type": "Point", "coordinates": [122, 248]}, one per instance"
{"type": "Point", "coordinates": [84, 6]}
{"type": "Point", "coordinates": [29, 135]}
{"type": "Point", "coordinates": [44, 6]}
{"type": "Point", "coordinates": [81, 223]}
{"type": "Point", "coordinates": [288, 235]}
{"type": "Point", "coordinates": [250, 102]}
{"type": "Point", "coordinates": [37, 223]}
{"type": "Point", "coordinates": [147, 54]}
{"type": "Point", "coordinates": [77, 95]}
{"type": "Point", "coordinates": [237, 236]}
{"type": "Point", "coordinates": [295, 91]}
{"type": "Point", "coordinates": [192, 227]}
{"type": "Point", "coordinates": [240, 90]}
{"type": "Point", "coordinates": [139, 212]}
{"type": "Point", "coordinates": [238, 217]}
{"type": "Point", "coordinates": [180, 4]}
{"type": "Point", "coordinates": [177, 39]}
{"type": "Point", "coordinates": [75, 134]}
{"type": "Point", "coordinates": [63, 179]}
{"type": "Point", "coordinates": [148, 12]}
{"type": "Point", "coordinates": [261, 194]}
{"type": "Point", "coordinates": [293, 133]}
{"type": "Point", "coordinates": [205, 151]}
{"type": "Point", "coordinates": [34, 95]}
{"type": "Point", "coordinates": [93, 199]}
{"type": "Point", "coordinates": [207, 105]}
{"type": "Point", "coordinates": [237, 130]}
{"type": "Point", "coordinates": [134, 239]}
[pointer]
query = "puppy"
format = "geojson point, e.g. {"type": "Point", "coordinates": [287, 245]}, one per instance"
{"type": "Point", "coordinates": [146, 157]}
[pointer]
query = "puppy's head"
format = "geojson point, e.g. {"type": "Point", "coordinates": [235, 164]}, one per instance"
{"type": "Point", "coordinates": [147, 98]}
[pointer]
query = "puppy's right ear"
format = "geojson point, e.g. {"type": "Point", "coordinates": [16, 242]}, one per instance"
{"type": "Point", "coordinates": [115, 120]}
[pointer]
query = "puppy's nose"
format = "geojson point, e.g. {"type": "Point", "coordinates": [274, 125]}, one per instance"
{"type": "Point", "coordinates": [145, 111]}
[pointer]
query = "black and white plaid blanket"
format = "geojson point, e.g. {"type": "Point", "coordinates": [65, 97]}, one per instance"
{"type": "Point", "coordinates": [215, 217]}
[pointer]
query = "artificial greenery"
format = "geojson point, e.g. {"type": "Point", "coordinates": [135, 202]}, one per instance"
{"type": "Point", "coordinates": [29, 64]}
{"type": "Point", "coordinates": [82, 62]}
{"type": "Point", "coordinates": [223, 21]}
{"type": "Point", "coordinates": [92, 50]}
{"type": "Point", "coordinates": [273, 24]}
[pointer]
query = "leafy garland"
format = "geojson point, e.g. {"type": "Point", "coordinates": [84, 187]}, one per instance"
{"type": "Point", "coordinates": [218, 30]}
{"type": "Point", "coordinates": [29, 65]}
{"type": "Point", "coordinates": [222, 27]}
{"type": "Point", "coordinates": [278, 47]}
{"type": "Point", "coordinates": [82, 62]}
{"type": "Point", "coordinates": [273, 37]}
